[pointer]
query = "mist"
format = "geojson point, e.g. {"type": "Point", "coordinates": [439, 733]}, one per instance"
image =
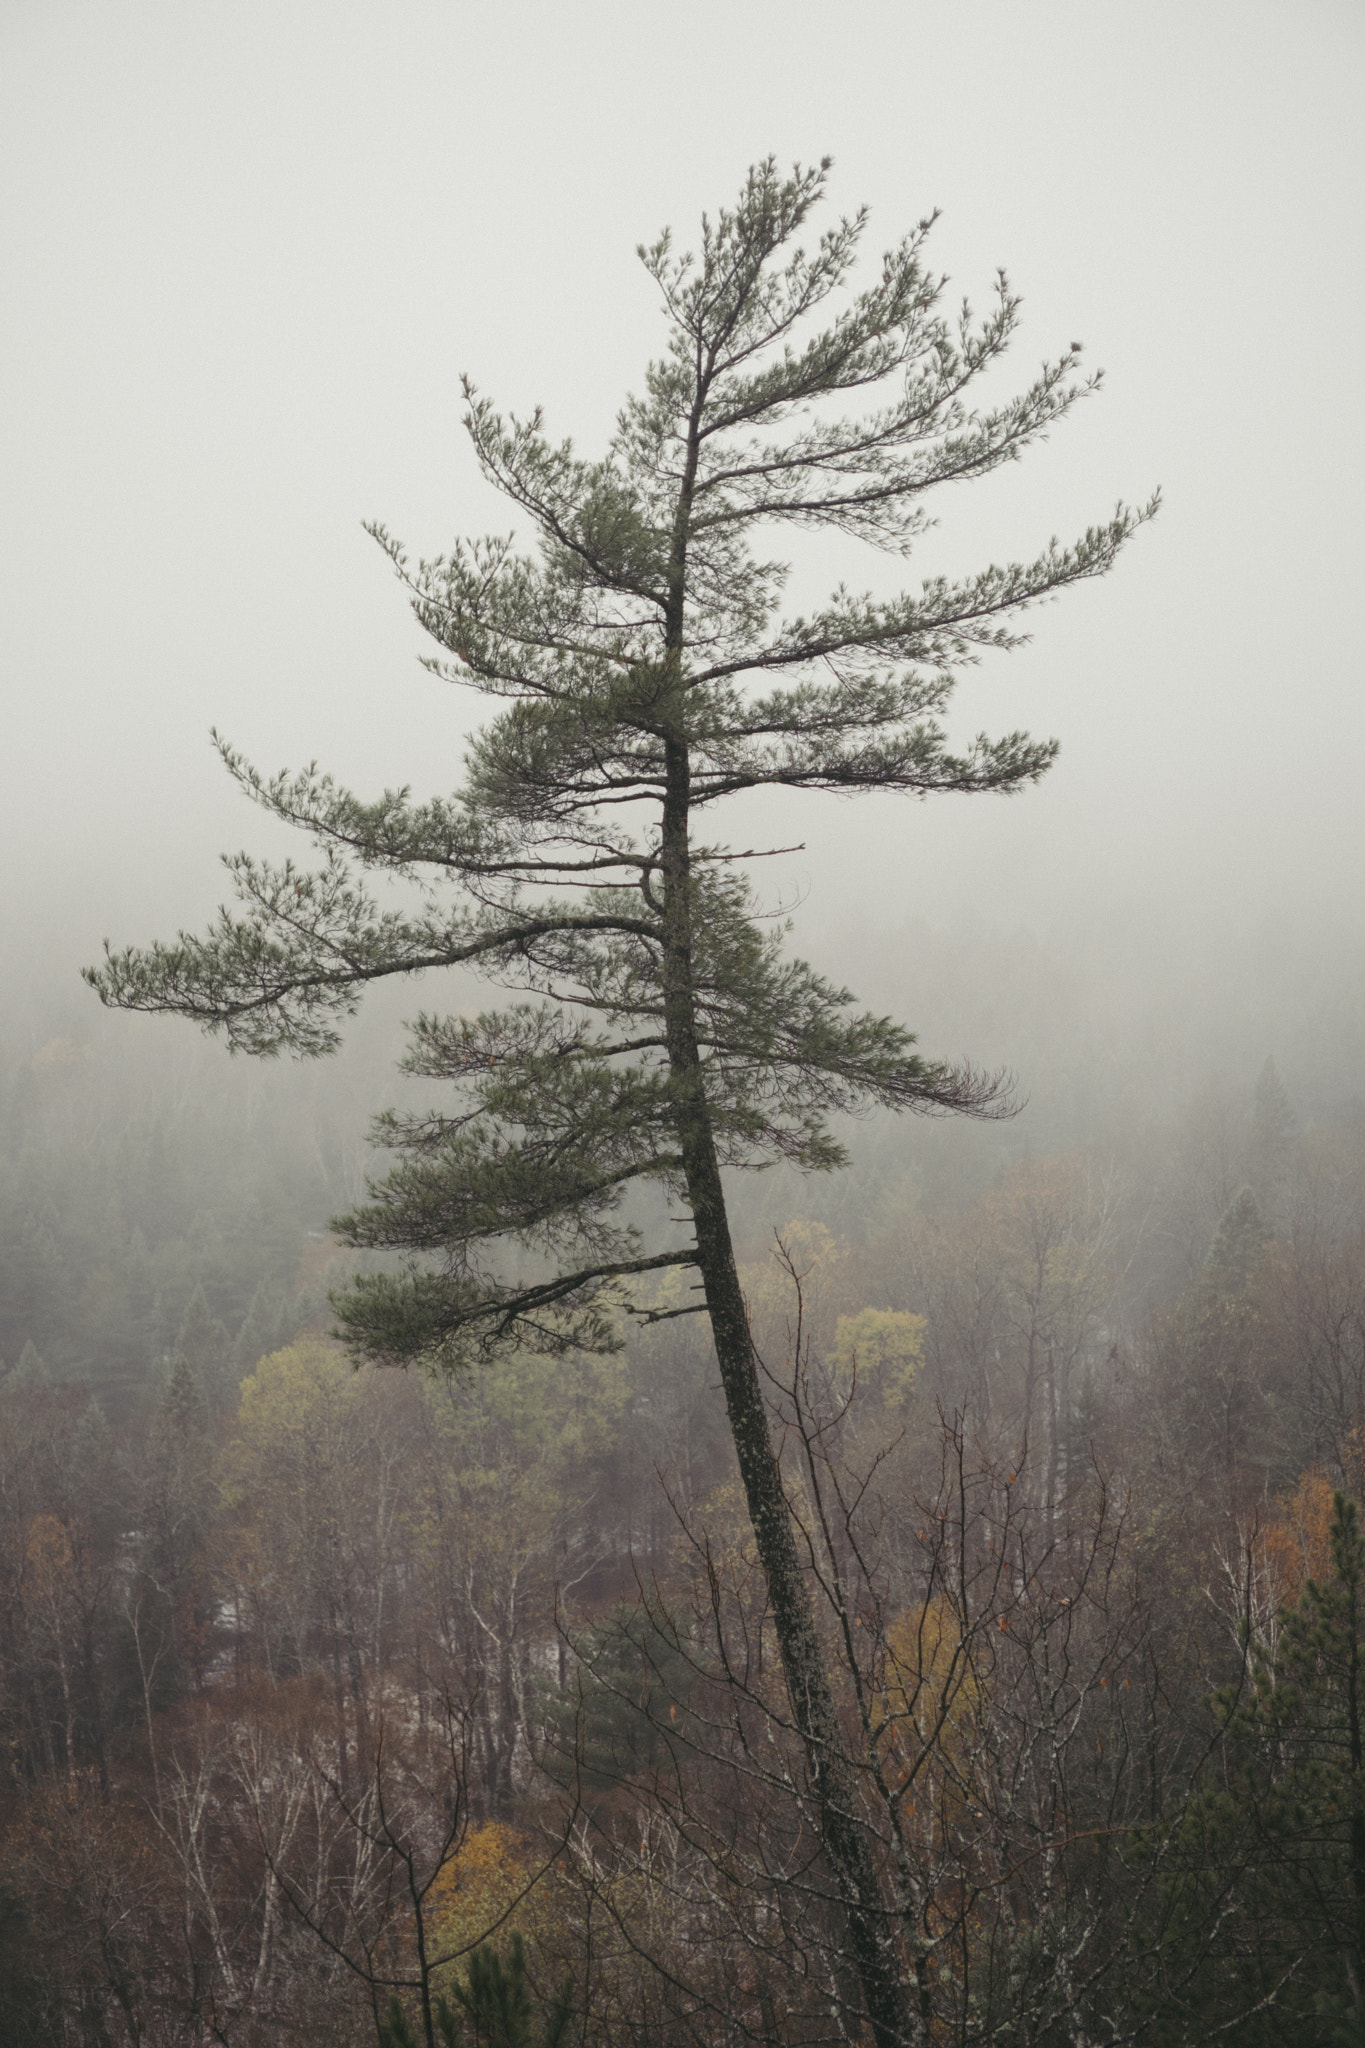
{"type": "Point", "coordinates": [1013, 1473]}
{"type": "Point", "coordinates": [248, 258]}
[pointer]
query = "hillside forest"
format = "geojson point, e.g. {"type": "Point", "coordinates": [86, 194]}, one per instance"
{"type": "Point", "coordinates": [351, 1705]}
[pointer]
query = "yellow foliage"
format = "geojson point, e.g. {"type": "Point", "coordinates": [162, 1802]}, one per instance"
{"type": "Point", "coordinates": [885, 1345]}
{"type": "Point", "coordinates": [1296, 1544]}
{"type": "Point", "coordinates": [822, 1263]}
{"type": "Point", "coordinates": [287, 1383]}
{"type": "Point", "coordinates": [48, 1555]}
{"type": "Point", "coordinates": [294, 1398]}
{"type": "Point", "coordinates": [551, 1417]}
{"type": "Point", "coordinates": [477, 1891]}
{"type": "Point", "coordinates": [930, 1689]}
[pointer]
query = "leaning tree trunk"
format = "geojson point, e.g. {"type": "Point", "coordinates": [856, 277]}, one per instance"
{"type": "Point", "coordinates": [830, 1773]}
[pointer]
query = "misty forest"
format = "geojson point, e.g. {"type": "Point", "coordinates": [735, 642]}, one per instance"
{"type": "Point", "coordinates": [586, 1488]}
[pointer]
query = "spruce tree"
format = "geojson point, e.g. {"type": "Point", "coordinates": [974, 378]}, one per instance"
{"type": "Point", "coordinates": [645, 672]}
{"type": "Point", "coordinates": [1238, 1247]}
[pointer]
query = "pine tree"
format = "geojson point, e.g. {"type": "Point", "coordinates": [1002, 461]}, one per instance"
{"type": "Point", "coordinates": [646, 674]}
{"type": "Point", "coordinates": [266, 1327]}
{"type": "Point", "coordinates": [622, 1717]}
{"type": "Point", "coordinates": [1265, 1897]}
{"type": "Point", "coordinates": [1238, 1247]}
{"type": "Point", "coordinates": [493, 2008]}
{"type": "Point", "coordinates": [202, 1343]}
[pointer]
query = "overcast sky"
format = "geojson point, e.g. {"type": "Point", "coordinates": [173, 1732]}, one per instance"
{"type": "Point", "coordinates": [248, 250]}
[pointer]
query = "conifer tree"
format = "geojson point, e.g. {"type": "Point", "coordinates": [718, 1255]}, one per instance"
{"type": "Point", "coordinates": [1238, 1247]}
{"type": "Point", "coordinates": [634, 1676]}
{"type": "Point", "coordinates": [169, 1599]}
{"type": "Point", "coordinates": [493, 2008]}
{"type": "Point", "coordinates": [1265, 1889]}
{"type": "Point", "coordinates": [31, 1371]}
{"type": "Point", "coordinates": [267, 1326]}
{"type": "Point", "coordinates": [203, 1345]}
{"type": "Point", "coordinates": [1272, 1134]}
{"type": "Point", "coordinates": [646, 672]}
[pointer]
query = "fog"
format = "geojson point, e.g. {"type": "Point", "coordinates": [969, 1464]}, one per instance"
{"type": "Point", "coordinates": [248, 252]}
{"type": "Point", "coordinates": [318, 1677]}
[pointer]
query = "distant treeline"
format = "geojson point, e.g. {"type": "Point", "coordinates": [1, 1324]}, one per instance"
{"type": "Point", "coordinates": [157, 1199]}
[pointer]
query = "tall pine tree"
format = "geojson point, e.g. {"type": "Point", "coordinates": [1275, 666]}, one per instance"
{"type": "Point", "coordinates": [645, 673]}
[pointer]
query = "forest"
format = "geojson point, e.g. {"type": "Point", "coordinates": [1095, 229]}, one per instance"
{"type": "Point", "coordinates": [793, 1476]}
{"type": "Point", "coordinates": [326, 1686]}
{"type": "Point", "coordinates": [741, 1421]}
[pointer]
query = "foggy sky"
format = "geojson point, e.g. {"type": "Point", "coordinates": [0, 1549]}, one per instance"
{"type": "Point", "coordinates": [247, 252]}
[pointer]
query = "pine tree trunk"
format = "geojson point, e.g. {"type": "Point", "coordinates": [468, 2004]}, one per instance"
{"type": "Point", "coordinates": [830, 1773]}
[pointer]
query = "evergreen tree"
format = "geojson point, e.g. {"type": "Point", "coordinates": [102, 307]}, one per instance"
{"type": "Point", "coordinates": [1223, 1398]}
{"type": "Point", "coordinates": [1272, 1133]}
{"type": "Point", "coordinates": [202, 1344]}
{"type": "Point", "coordinates": [1265, 1898]}
{"type": "Point", "coordinates": [1238, 1247]}
{"type": "Point", "coordinates": [646, 674]}
{"type": "Point", "coordinates": [493, 2008]}
{"type": "Point", "coordinates": [628, 1711]}
{"type": "Point", "coordinates": [122, 1345]}
{"type": "Point", "coordinates": [170, 1598]}
{"type": "Point", "coordinates": [30, 2014]}
{"type": "Point", "coordinates": [497, 2007]}
{"type": "Point", "coordinates": [31, 1371]}
{"type": "Point", "coordinates": [267, 1326]}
